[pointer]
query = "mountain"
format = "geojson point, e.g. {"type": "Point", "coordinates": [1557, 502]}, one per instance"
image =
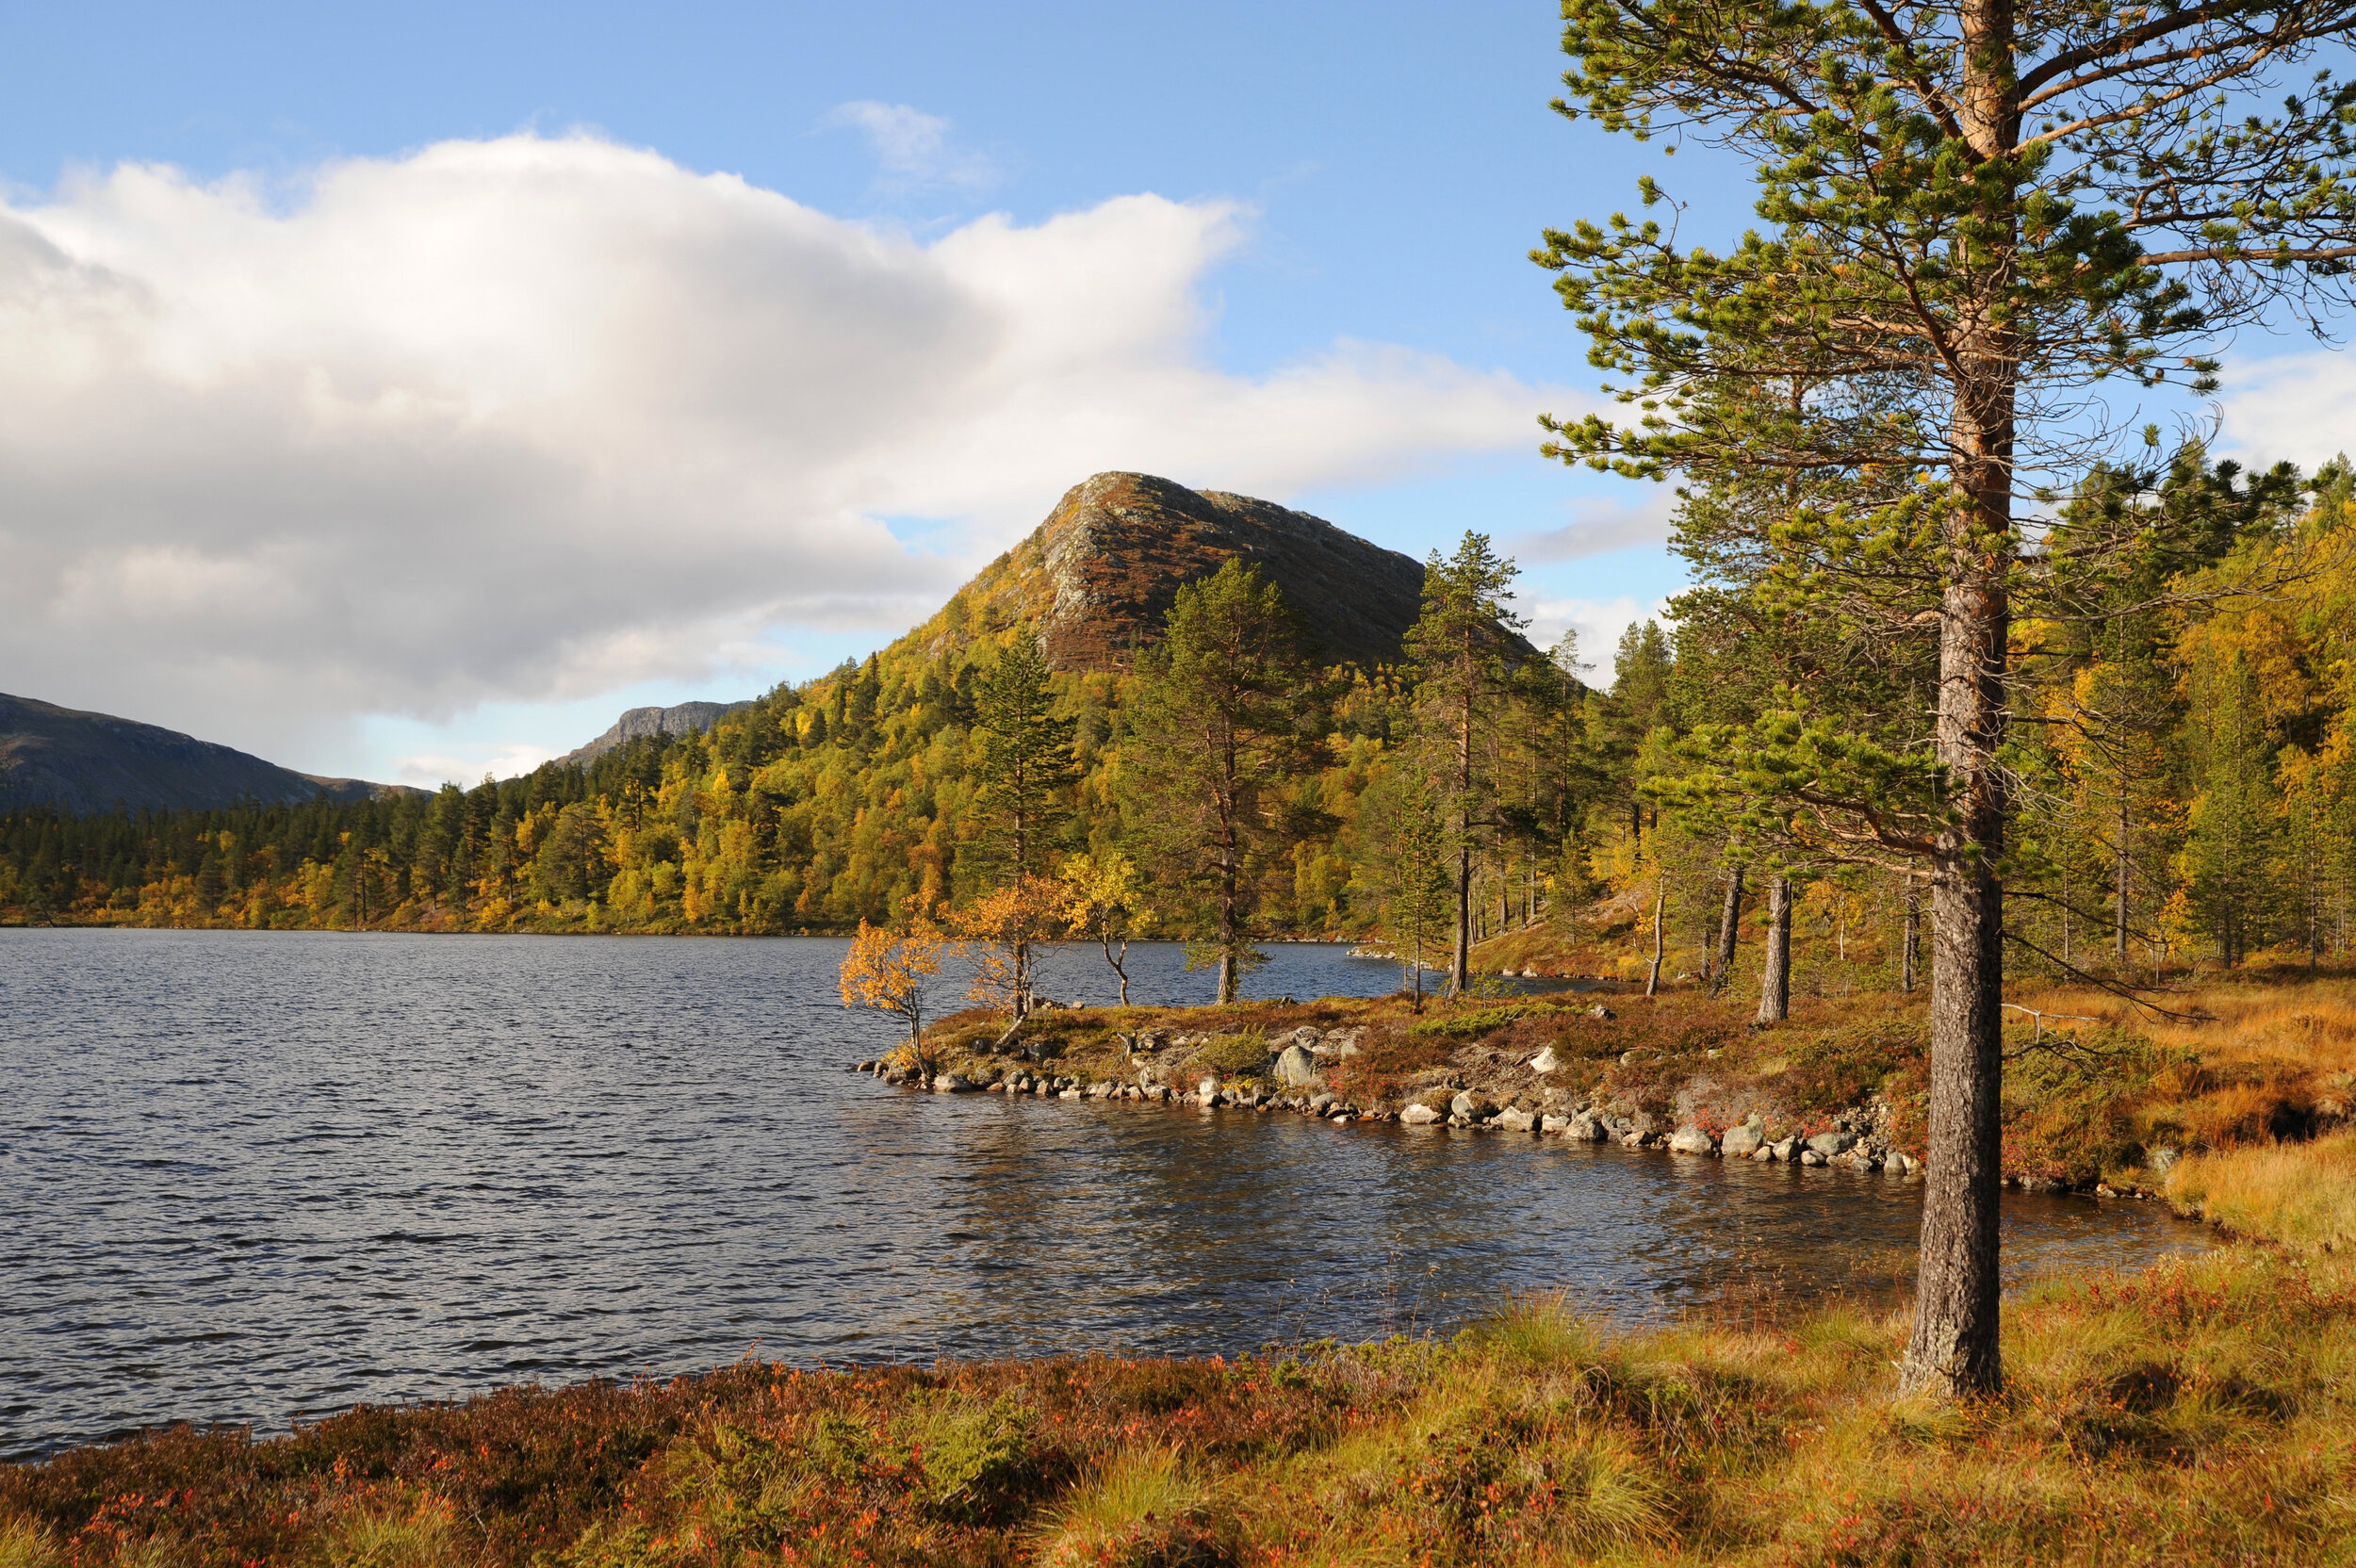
{"type": "Point", "coordinates": [87, 763]}
{"type": "Point", "coordinates": [641, 722]}
{"type": "Point", "coordinates": [1099, 575]}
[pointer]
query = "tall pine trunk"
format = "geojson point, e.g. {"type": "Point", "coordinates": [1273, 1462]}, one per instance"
{"type": "Point", "coordinates": [1729, 926]}
{"type": "Point", "coordinates": [1460, 966]}
{"type": "Point", "coordinates": [1774, 978]}
{"type": "Point", "coordinates": [1954, 1351]}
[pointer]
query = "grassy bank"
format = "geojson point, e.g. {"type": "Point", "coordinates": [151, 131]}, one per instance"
{"type": "Point", "coordinates": [2202, 1412]}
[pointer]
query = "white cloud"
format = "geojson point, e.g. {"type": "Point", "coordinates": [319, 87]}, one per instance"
{"type": "Point", "coordinates": [1596, 622]}
{"type": "Point", "coordinates": [1603, 526]}
{"type": "Point", "coordinates": [2294, 406]}
{"type": "Point", "coordinates": [534, 420]}
{"type": "Point", "coordinates": [431, 769]}
{"type": "Point", "coordinates": [912, 149]}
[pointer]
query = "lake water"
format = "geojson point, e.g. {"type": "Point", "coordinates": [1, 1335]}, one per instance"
{"type": "Point", "coordinates": [251, 1177]}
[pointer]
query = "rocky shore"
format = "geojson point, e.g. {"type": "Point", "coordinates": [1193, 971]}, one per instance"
{"type": "Point", "coordinates": [1841, 1084]}
{"type": "Point", "coordinates": [1164, 1067]}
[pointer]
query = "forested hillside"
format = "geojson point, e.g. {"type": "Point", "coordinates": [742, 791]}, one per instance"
{"type": "Point", "coordinates": [2183, 765]}
{"type": "Point", "coordinates": [817, 806]}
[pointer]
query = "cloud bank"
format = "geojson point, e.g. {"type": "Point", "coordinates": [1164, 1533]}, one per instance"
{"type": "Point", "coordinates": [2292, 405]}
{"type": "Point", "coordinates": [1594, 627]}
{"type": "Point", "coordinates": [536, 418]}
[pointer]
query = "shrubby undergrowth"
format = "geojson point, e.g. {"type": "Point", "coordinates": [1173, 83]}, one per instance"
{"type": "Point", "coordinates": [2199, 1413]}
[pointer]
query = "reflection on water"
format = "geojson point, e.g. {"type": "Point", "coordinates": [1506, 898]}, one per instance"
{"type": "Point", "coordinates": [253, 1176]}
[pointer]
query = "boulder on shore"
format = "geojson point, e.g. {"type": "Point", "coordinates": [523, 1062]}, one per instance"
{"type": "Point", "coordinates": [1295, 1065]}
{"type": "Point", "coordinates": [1514, 1120]}
{"type": "Point", "coordinates": [1418, 1116]}
{"type": "Point", "coordinates": [1471, 1106]}
{"type": "Point", "coordinates": [1690, 1139]}
{"type": "Point", "coordinates": [1741, 1142]}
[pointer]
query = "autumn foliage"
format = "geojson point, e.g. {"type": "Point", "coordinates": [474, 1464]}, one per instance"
{"type": "Point", "coordinates": [889, 971]}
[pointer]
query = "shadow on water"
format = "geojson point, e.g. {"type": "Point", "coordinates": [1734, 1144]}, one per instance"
{"type": "Point", "coordinates": [257, 1176]}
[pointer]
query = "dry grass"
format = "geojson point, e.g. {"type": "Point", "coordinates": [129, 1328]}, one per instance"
{"type": "Point", "coordinates": [2244, 1064]}
{"type": "Point", "coordinates": [2269, 1020]}
{"type": "Point", "coordinates": [1143, 1502]}
{"type": "Point", "coordinates": [2300, 1194]}
{"type": "Point", "coordinates": [2200, 1413]}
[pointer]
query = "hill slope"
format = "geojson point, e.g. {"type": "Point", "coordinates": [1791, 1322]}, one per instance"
{"type": "Point", "coordinates": [1099, 575]}
{"type": "Point", "coordinates": [85, 763]}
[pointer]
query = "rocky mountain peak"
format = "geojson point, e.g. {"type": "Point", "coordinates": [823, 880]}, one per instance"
{"type": "Point", "coordinates": [1099, 575]}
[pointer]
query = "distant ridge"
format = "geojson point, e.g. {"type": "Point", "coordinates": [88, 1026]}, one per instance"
{"type": "Point", "coordinates": [85, 763]}
{"type": "Point", "coordinates": [1099, 575]}
{"type": "Point", "coordinates": [640, 724]}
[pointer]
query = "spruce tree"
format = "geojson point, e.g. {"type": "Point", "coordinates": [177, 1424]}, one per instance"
{"type": "Point", "coordinates": [1022, 775]}
{"type": "Point", "coordinates": [1407, 874]}
{"type": "Point", "coordinates": [2232, 826]}
{"type": "Point", "coordinates": [1025, 762]}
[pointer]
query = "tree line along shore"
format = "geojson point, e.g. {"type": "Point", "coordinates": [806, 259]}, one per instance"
{"type": "Point", "coordinates": [2183, 798]}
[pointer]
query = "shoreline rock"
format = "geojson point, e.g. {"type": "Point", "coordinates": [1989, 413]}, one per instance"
{"type": "Point", "coordinates": [1484, 1086]}
{"type": "Point", "coordinates": [1469, 1109]}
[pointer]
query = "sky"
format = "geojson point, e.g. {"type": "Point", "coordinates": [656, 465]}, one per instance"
{"type": "Point", "coordinates": [400, 393]}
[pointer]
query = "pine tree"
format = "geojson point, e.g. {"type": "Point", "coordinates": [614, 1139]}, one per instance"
{"type": "Point", "coordinates": [1463, 650]}
{"type": "Point", "coordinates": [1974, 210]}
{"type": "Point", "coordinates": [1223, 717]}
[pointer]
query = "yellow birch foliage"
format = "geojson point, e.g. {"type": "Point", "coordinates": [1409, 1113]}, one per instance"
{"type": "Point", "coordinates": [887, 971]}
{"type": "Point", "coordinates": [1003, 930]}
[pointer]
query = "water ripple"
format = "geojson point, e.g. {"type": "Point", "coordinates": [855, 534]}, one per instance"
{"type": "Point", "coordinates": [257, 1176]}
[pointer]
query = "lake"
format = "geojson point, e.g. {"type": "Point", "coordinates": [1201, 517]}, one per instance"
{"type": "Point", "coordinates": [253, 1177]}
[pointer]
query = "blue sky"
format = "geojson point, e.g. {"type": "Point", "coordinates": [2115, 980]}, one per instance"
{"type": "Point", "coordinates": [1345, 197]}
